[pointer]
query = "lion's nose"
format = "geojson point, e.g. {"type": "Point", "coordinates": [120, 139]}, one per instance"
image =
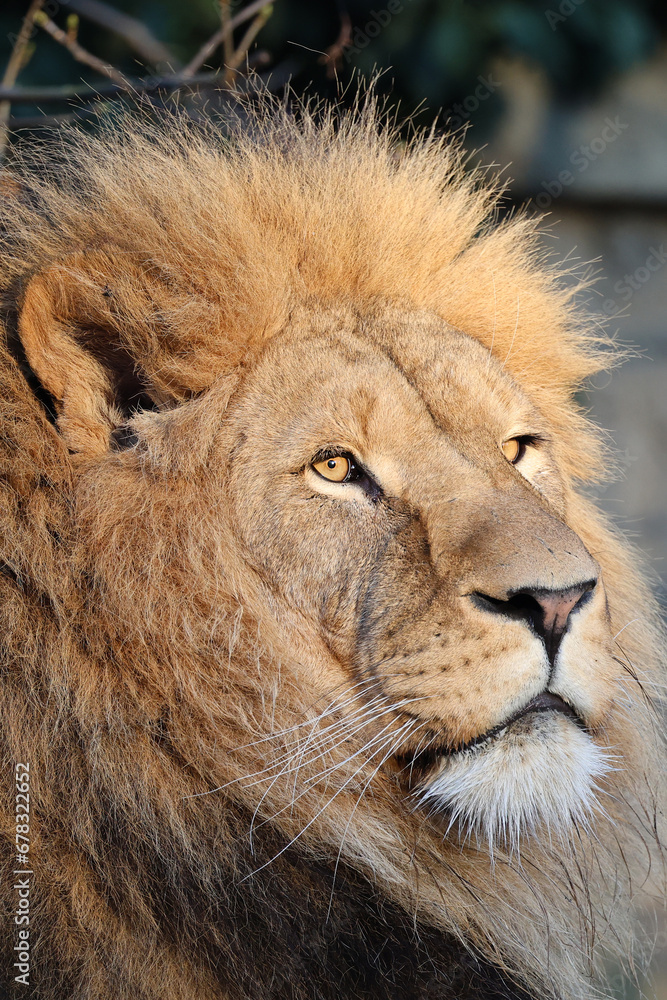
{"type": "Point", "coordinates": [547, 611]}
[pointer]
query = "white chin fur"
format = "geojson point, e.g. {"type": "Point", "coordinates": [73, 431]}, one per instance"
{"type": "Point", "coordinates": [539, 773]}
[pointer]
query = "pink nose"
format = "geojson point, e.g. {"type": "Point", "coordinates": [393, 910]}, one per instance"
{"type": "Point", "coordinates": [547, 611]}
{"type": "Point", "coordinates": [556, 607]}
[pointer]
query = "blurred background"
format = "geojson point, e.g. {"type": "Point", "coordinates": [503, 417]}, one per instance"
{"type": "Point", "coordinates": [569, 96]}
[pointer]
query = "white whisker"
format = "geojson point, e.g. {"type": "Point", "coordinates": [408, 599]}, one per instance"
{"type": "Point", "coordinates": [399, 739]}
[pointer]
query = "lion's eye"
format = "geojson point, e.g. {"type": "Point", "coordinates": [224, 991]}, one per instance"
{"type": "Point", "coordinates": [514, 450]}
{"type": "Point", "coordinates": [336, 469]}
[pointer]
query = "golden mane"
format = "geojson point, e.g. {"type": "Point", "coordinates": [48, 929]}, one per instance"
{"type": "Point", "coordinates": [199, 244]}
{"type": "Point", "coordinates": [283, 211]}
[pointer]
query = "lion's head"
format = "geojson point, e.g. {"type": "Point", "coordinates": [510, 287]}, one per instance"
{"type": "Point", "coordinates": [295, 567]}
{"type": "Point", "coordinates": [393, 485]}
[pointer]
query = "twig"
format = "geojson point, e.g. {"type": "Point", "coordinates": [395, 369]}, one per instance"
{"type": "Point", "coordinates": [334, 54]}
{"type": "Point", "coordinates": [249, 37]}
{"type": "Point", "coordinates": [201, 83]}
{"type": "Point", "coordinates": [72, 27]}
{"type": "Point", "coordinates": [209, 47]}
{"type": "Point", "coordinates": [228, 37]}
{"type": "Point", "coordinates": [79, 53]}
{"type": "Point", "coordinates": [13, 68]}
{"type": "Point", "coordinates": [132, 31]}
{"type": "Point", "coordinates": [66, 92]}
{"type": "Point", "coordinates": [186, 79]}
{"type": "Point", "coordinates": [168, 84]}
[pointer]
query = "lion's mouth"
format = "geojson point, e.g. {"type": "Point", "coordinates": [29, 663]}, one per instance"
{"type": "Point", "coordinates": [418, 763]}
{"type": "Point", "coordinates": [545, 702]}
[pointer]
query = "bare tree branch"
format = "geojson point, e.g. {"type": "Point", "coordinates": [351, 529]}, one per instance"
{"type": "Point", "coordinates": [249, 37]}
{"type": "Point", "coordinates": [14, 66]}
{"type": "Point", "coordinates": [67, 92]}
{"type": "Point", "coordinates": [168, 84]}
{"type": "Point", "coordinates": [228, 36]}
{"type": "Point", "coordinates": [79, 53]}
{"type": "Point", "coordinates": [199, 84]}
{"type": "Point", "coordinates": [186, 79]}
{"type": "Point", "coordinates": [209, 47]}
{"type": "Point", "coordinates": [333, 56]}
{"type": "Point", "coordinates": [151, 50]}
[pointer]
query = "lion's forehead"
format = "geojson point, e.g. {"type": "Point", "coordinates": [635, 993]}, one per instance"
{"type": "Point", "coordinates": [386, 380]}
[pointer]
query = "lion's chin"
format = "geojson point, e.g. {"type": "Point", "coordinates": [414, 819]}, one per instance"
{"type": "Point", "coordinates": [536, 776]}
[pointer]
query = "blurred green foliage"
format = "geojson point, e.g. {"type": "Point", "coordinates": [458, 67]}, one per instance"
{"type": "Point", "coordinates": [433, 51]}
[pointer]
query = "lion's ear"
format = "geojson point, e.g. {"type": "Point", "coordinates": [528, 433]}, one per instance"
{"type": "Point", "coordinates": [71, 328]}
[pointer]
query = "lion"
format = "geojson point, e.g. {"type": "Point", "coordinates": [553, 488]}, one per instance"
{"type": "Point", "coordinates": [322, 675]}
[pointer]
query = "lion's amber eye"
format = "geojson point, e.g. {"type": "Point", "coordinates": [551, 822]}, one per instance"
{"type": "Point", "coordinates": [513, 449]}
{"type": "Point", "coordinates": [335, 469]}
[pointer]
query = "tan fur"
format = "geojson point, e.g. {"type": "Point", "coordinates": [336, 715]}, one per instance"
{"type": "Point", "coordinates": [181, 618]}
